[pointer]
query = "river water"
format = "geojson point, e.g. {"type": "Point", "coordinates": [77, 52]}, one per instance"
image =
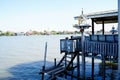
{"type": "Point", "coordinates": [21, 57]}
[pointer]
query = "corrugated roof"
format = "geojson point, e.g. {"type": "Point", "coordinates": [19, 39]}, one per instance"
{"type": "Point", "coordinates": [110, 16]}
{"type": "Point", "coordinates": [102, 14]}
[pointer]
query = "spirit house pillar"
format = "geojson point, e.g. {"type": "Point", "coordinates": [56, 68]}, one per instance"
{"type": "Point", "coordinates": [82, 24]}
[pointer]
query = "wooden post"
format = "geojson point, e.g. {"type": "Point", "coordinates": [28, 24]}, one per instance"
{"type": "Point", "coordinates": [119, 38]}
{"type": "Point", "coordinates": [43, 69]}
{"type": "Point", "coordinates": [92, 66]}
{"type": "Point", "coordinates": [65, 63]}
{"type": "Point", "coordinates": [92, 27]}
{"type": "Point", "coordinates": [83, 57]}
{"type": "Point", "coordinates": [103, 66]}
{"type": "Point", "coordinates": [103, 27]}
{"type": "Point", "coordinates": [45, 54]}
{"type": "Point", "coordinates": [78, 66]}
{"type": "Point", "coordinates": [72, 66]}
{"type": "Point", "coordinates": [55, 62]}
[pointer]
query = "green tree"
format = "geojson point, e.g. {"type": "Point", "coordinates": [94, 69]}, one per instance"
{"type": "Point", "coordinates": [0, 32]}
{"type": "Point", "coordinates": [36, 33]}
{"type": "Point", "coordinates": [8, 33]}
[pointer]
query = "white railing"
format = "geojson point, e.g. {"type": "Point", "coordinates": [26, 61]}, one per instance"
{"type": "Point", "coordinates": [104, 48]}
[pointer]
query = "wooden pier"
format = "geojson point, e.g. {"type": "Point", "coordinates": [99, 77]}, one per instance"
{"type": "Point", "coordinates": [104, 50]}
{"type": "Point", "coordinates": [102, 46]}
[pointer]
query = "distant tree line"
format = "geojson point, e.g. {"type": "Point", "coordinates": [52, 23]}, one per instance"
{"type": "Point", "coordinates": [30, 32]}
{"type": "Point", "coordinates": [7, 33]}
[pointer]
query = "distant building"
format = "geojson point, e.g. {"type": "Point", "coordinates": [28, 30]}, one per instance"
{"type": "Point", "coordinates": [29, 33]}
{"type": "Point", "coordinates": [20, 34]}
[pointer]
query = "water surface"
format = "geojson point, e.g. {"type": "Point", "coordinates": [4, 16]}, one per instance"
{"type": "Point", "coordinates": [22, 56]}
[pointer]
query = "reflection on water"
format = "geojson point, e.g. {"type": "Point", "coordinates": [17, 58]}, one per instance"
{"type": "Point", "coordinates": [16, 50]}
{"type": "Point", "coordinates": [26, 71]}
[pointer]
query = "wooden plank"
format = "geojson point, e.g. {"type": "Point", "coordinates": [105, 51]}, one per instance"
{"type": "Point", "coordinates": [54, 70]}
{"type": "Point", "coordinates": [51, 68]}
{"type": "Point", "coordinates": [59, 71]}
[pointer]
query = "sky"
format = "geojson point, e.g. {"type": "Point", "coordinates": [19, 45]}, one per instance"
{"type": "Point", "coordinates": [40, 15]}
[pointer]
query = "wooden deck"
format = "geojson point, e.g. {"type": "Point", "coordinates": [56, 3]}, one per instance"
{"type": "Point", "coordinates": [104, 47]}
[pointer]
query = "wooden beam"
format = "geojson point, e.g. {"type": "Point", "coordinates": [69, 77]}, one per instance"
{"type": "Point", "coordinates": [113, 19]}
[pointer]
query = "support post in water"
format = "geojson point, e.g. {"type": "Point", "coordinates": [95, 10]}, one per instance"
{"type": "Point", "coordinates": [45, 54]}
{"type": "Point", "coordinates": [43, 68]}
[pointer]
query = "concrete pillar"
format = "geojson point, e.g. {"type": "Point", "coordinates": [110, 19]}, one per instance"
{"type": "Point", "coordinates": [119, 37]}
